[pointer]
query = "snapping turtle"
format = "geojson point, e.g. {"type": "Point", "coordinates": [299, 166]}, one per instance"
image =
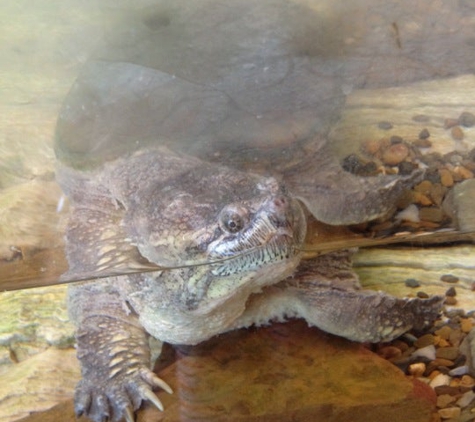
{"type": "Point", "coordinates": [211, 166]}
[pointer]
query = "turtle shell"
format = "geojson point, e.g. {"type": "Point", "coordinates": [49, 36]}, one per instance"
{"type": "Point", "coordinates": [251, 85]}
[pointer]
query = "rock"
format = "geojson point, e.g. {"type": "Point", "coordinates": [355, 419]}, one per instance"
{"type": "Point", "coordinates": [425, 340]}
{"type": "Point", "coordinates": [446, 178]}
{"type": "Point", "coordinates": [412, 282]}
{"type": "Point", "coordinates": [385, 125]}
{"type": "Point", "coordinates": [432, 214]}
{"type": "Point", "coordinates": [461, 370]}
{"type": "Point", "coordinates": [457, 133]}
{"type": "Point", "coordinates": [449, 278]}
{"type": "Point", "coordinates": [467, 119]}
{"type": "Point", "coordinates": [439, 380]}
{"type": "Point", "coordinates": [444, 332]}
{"type": "Point", "coordinates": [461, 203]}
{"type": "Point", "coordinates": [466, 325]}
{"type": "Point", "coordinates": [280, 373]}
{"type": "Point", "coordinates": [444, 400]}
{"type": "Point", "coordinates": [450, 413]}
{"type": "Point", "coordinates": [417, 369]}
{"type": "Point", "coordinates": [427, 352]}
{"type": "Point", "coordinates": [395, 154]}
{"type": "Point", "coordinates": [450, 353]}
{"type": "Point", "coordinates": [424, 134]}
{"type": "Point", "coordinates": [449, 123]}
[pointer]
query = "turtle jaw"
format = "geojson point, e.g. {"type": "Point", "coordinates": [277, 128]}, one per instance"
{"type": "Point", "coordinates": [274, 234]}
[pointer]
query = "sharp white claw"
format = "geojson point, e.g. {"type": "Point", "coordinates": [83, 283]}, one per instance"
{"type": "Point", "coordinates": [158, 382]}
{"type": "Point", "coordinates": [129, 416]}
{"type": "Point", "coordinates": [150, 396]}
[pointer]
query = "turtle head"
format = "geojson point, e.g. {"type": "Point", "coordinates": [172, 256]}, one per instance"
{"type": "Point", "coordinates": [237, 221]}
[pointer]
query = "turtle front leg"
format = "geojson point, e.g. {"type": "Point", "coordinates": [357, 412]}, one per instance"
{"type": "Point", "coordinates": [325, 292]}
{"type": "Point", "coordinates": [114, 353]}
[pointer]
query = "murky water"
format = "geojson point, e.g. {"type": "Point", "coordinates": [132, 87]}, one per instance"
{"type": "Point", "coordinates": [235, 84]}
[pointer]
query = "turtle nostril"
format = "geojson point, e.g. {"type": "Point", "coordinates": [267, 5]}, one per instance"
{"type": "Point", "coordinates": [280, 202]}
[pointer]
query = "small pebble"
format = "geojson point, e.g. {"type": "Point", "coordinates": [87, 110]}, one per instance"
{"type": "Point", "coordinates": [442, 362]}
{"type": "Point", "coordinates": [437, 193]}
{"type": "Point", "coordinates": [466, 399]}
{"type": "Point", "coordinates": [424, 134]}
{"type": "Point", "coordinates": [466, 325]}
{"type": "Point", "coordinates": [449, 123]}
{"type": "Point", "coordinates": [457, 133]}
{"type": "Point", "coordinates": [420, 198]}
{"type": "Point", "coordinates": [449, 353]}
{"type": "Point", "coordinates": [421, 118]}
{"type": "Point", "coordinates": [417, 369]}
{"type": "Point", "coordinates": [389, 352]}
{"type": "Point", "coordinates": [424, 341]}
{"type": "Point", "coordinates": [422, 143]}
{"type": "Point", "coordinates": [458, 372]}
{"type": "Point", "coordinates": [444, 332]}
{"type": "Point", "coordinates": [371, 146]}
{"type": "Point", "coordinates": [467, 381]}
{"type": "Point", "coordinates": [385, 125]}
{"type": "Point", "coordinates": [463, 172]}
{"type": "Point", "coordinates": [446, 178]}
{"type": "Point", "coordinates": [446, 389]}
{"type": "Point", "coordinates": [449, 278]}
{"type": "Point", "coordinates": [432, 214]}
{"type": "Point", "coordinates": [456, 337]}
{"type": "Point", "coordinates": [395, 154]}
{"type": "Point", "coordinates": [422, 295]}
{"type": "Point", "coordinates": [395, 139]}
{"type": "Point", "coordinates": [450, 300]}
{"type": "Point", "coordinates": [444, 400]}
{"type": "Point", "coordinates": [451, 292]}
{"type": "Point", "coordinates": [412, 282]}
{"type": "Point", "coordinates": [406, 168]}
{"type": "Point", "coordinates": [423, 187]}
{"type": "Point", "coordinates": [439, 380]}
{"type": "Point", "coordinates": [450, 413]}
{"type": "Point", "coordinates": [427, 352]}
{"type": "Point", "coordinates": [467, 119]}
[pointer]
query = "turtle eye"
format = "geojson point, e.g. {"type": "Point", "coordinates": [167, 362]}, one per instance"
{"type": "Point", "coordinates": [233, 219]}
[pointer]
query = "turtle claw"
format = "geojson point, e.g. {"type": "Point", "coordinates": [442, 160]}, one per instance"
{"type": "Point", "coordinates": [129, 415]}
{"type": "Point", "coordinates": [151, 397]}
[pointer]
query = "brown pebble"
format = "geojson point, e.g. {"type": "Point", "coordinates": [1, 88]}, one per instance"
{"type": "Point", "coordinates": [444, 332]}
{"type": "Point", "coordinates": [424, 134]}
{"type": "Point", "coordinates": [455, 337]}
{"type": "Point", "coordinates": [457, 133]}
{"type": "Point", "coordinates": [401, 345]}
{"type": "Point", "coordinates": [450, 300]}
{"type": "Point", "coordinates": [422, 295]}
{"type": "Point", "coordinates": [467, 381]}
{"type": "Point", "coordinates": [451, 292]}
{"type": "Point", "coordinates": [424, 187]}
{"type": "Point", "coordinates": [445, 389]}
{"type": "Point", "coordinates": [437, 193]}
{"type": "Point", "coordinates": [449, 278]}
{"type": "Point", "coordinates": [423, 341]}
{"type": "Point", "coordinates": [443, 343]}
{"type": "Point", "coordinates": [463, 172]}
{"type": "Point", "coordinates": [389, 352]}
{"type": "Point", "coordinates": [385, 125]}
{"type": "Point", "coordinates": [421, 118]}
{"type": "Point", "coordinates": [450, 413]}
{"type": "Point", "coordinates": [444, 400]}
{"type": "Point", "coordinates": [449, 353]}
{"type": "Point", "coordinates": [394, 154]}
{"type": "Point", "coordinates": [422, 143]}
{"type": "Point", "coordinates": [432, 214]}
{"type": "Point", "coordinates": [448, 123]}
{"type": "Point", "coordinates": [446, 178]}
{"type": "Point", "coordinates": [372, 146]}
{"type": "Point", "coordinates": [421, 199]}
{"type": "Point", "coordinates": [467, 119]}
{"type": "Point", "coordinates": [466, 325]}
{"type": "Point", "coordinates": [442, 362]}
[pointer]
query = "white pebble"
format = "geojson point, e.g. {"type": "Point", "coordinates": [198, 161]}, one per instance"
{"type": "Point", "coordinates": [426, 352]}
{"type": "Point", "coordinates": [466, 399]}
{"type": "Point", "coordinates": [461, 370]}
{"type": "Point", "coordinates": [439, 380]}
{"type": "Point", "coordinates": [411, 213]}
